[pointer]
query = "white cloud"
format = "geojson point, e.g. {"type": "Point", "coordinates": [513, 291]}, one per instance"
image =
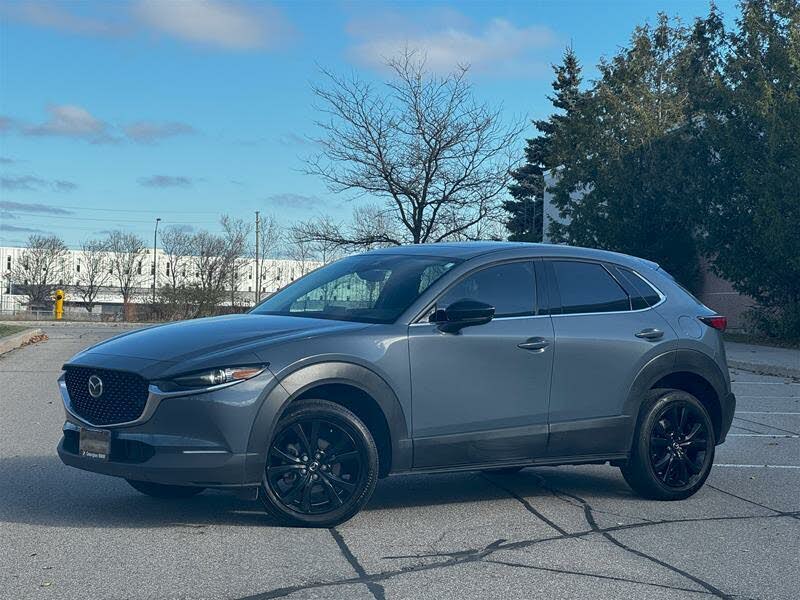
{"type": "Point", "coordinates": [291, 200]}
{"type": "Point", "coordinates": [166, 181]}
{"type": "Point", "coordinates": [148, 132]}
{"type": "Point", "coordinates": [226, 25]}
{"type": "Point", "coordinates": [70, 120]}
{"type": "Point", "coordinates": [498, 48]}
{"type": "Point", "coordinates": [51, 15]}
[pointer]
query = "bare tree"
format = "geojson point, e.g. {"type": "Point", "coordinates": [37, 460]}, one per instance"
{"type": "Point", "coordinates": [176, 297]}
{"type": "Point", "coordinates": [208, 261]}
{"type": "Point", "coordinates": [236, 234]}
{"type": "Point", "coordinates": [40, 270]}
{"type": "Point", "coordinates": [301, 250]}
{"type": "Point", "coordinates": [176, 244]}
{"type": "Point", "coordinates": [125, 251]}
{"type": "Point", "coordinates": [438, 159]}
{"type": "Point", "coordinates": [270, 240]}
{"type": "Point", "coordinates": [93, 273]}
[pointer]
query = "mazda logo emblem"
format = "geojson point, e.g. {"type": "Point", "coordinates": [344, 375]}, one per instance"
{"type": "Point", "coordinates": [95, 386]}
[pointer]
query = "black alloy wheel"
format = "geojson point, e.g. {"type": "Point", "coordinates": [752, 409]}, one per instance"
{"type": "Point", "coordinates": [673, 446]}
{"type": "Point", "coordinates": [321, 466]}
{"type": "Point", "coordinates": [678, 444]}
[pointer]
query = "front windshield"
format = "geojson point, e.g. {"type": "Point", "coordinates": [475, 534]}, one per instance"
{"type": "Point", "coordinates": [370, 288]}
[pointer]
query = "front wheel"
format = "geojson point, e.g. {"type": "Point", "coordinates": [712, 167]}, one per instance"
{"type": "Point", "coordinates": [673, 447]}
{"type": "Point", "coordinates": [322, 466]}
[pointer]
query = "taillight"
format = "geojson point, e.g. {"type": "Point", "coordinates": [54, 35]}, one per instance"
{"type": "Point", "coordinates": [718, 322]}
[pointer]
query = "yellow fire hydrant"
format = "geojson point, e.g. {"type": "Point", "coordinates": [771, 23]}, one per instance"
{"type": "Point", "coordinates": [59, 307]}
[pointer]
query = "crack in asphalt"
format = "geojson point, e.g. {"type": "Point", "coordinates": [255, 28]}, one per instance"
{"type": "Point", "coordinates": [461, 557]}
{"type": "Point", "coordinates": [375, 589]}
{"type": "Point", "coordinates": [765, 425]}
{"type": "Point", "coordinates": [588, 514]}
{"type": "Point", "coordinates": [526, 504]}
{"type": "Point", "coordinates": [783, 513]}
{"type": "Point", "coordinates": [598, 576]}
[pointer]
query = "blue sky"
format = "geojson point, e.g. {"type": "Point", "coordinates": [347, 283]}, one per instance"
{"type": "Point", "coordinates": [115, 113]}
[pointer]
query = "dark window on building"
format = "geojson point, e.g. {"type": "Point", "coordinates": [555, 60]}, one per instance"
{"type": "Point", "coordinates": [588, 288]}
{"type": "Point", "coordinates": [139, 268]}
{"type": "Point", "coordinates": [510, 288]}
{"type": "Point", "coordinates": [8, 263]}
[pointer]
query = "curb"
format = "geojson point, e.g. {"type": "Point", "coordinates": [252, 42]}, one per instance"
{"type": "Point", "coordinates": [762, 369]}
{"type": "Point", "coordinates": [11, 342]}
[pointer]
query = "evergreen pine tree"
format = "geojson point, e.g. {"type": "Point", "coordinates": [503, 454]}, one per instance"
{"type": "Point", "coordinates": [525, 210]}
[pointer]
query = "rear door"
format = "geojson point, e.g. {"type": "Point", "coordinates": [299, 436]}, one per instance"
{"type": "Point", "coordinates": [605, 332]}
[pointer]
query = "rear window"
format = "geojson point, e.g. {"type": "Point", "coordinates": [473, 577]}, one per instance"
{"type": "Point", "coordinates": [588, 288]}
{"type": "Point", "coordinates": [680, 285]}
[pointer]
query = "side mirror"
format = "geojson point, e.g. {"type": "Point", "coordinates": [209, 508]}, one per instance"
{"type": "Point", "coordinates": [464, 313]}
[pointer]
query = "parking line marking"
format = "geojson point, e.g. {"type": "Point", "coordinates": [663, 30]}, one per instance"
{"type": "Point", "coordinates": [770, 435]}
{"type": "Point", "coordinates": [764, 382]}
{"type": "Point", "coordinates": [757, 466]}
{"type": "Point", "coordinates": [738, 397]}
{"type": "Point", "coordinates": [765, 412]}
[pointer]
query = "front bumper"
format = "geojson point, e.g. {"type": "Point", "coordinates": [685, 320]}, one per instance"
{"type": "Point", "coordinates": [199, 439]}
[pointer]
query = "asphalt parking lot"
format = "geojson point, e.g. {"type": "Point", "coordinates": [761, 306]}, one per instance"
{"type": "Point", "coordinates": [565, 532]}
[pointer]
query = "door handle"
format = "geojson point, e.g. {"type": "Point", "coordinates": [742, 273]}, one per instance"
{"type": "Point", "coordinates": [534, 344]}
{"type": "Point", "coordinates": [651, 333]}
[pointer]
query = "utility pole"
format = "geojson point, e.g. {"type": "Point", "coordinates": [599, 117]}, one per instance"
{"type": "Point", "coordinates": [155, 259]}
{"type": "Point", "coordinates": [258, 269]}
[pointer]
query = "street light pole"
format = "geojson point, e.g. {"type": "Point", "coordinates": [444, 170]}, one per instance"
{"type": "Point", "coordinates": [155, 259]}
{"type": "Point", "coordinates": [258, 268]}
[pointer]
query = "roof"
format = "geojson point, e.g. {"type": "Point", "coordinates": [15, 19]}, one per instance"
{"type": "Point", "coordinates": [462, 250]}
{"type": "Point", "coordinates": [468, 250]}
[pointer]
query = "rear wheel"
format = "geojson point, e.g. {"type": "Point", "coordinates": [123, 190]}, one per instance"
{"type": "Point", "coordinates": [673, 447]}
{"type": "Point", "coordinates": [159, 490]}
{"type": "Point", "coordinates": [322, 466]}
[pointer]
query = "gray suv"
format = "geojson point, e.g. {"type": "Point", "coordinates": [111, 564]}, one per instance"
{"type": "Point", "coordinates": [493, 356]}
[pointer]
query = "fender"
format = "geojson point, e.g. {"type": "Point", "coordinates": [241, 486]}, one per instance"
{"type": "Point", "coordinates": [293, 383]}
{"type": "Point", "coordinates": [678, 361]}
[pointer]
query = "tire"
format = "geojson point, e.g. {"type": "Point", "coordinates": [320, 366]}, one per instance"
{"type": "Point", "coordinates": [159, 490]}
{"type": "Point", "coordinates": [673, 446]}
{"type": "Point", "coordinates": [503, 470]}
{"type": "Point", "coordinates": [321, 468]}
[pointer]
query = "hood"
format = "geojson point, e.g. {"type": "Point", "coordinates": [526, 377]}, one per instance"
{"type": "Point", "coordinates": [212, 341]}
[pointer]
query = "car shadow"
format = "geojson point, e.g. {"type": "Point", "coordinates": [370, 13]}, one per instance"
{"type": "Point", "coordinates": [40, 490]}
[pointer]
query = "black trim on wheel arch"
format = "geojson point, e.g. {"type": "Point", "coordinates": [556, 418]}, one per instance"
{"type": "Point", "coordinates": [676, 361]}
{"type": "Point", "coordinates": [294, 383]}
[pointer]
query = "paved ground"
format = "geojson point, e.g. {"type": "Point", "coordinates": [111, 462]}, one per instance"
{"type": "Point", "coordinates": [567, 532]}
{"type": "Point", "coordinates": [783, 362]}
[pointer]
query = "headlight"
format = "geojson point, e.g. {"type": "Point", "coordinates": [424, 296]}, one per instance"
{"type": "Point", "coordinates": [211, 378]}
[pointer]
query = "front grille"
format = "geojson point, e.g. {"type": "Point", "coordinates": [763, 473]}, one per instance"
{"type": "Point", "coordinates": [123, 397]}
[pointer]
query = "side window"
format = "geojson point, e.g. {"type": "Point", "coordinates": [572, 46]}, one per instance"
{"type": "Point", "coordinates": [510, 288]}
{"type": "Point", "coordinates": [644, 292]}
{"type": "Point", "coordinates": [588, 288]}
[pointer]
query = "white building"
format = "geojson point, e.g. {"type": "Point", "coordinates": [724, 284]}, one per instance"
{"type": "Point", "coordinates": [276, 273]}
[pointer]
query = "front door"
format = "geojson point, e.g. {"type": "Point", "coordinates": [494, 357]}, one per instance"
{"type": "Point", "coordinates": [481, 395]}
